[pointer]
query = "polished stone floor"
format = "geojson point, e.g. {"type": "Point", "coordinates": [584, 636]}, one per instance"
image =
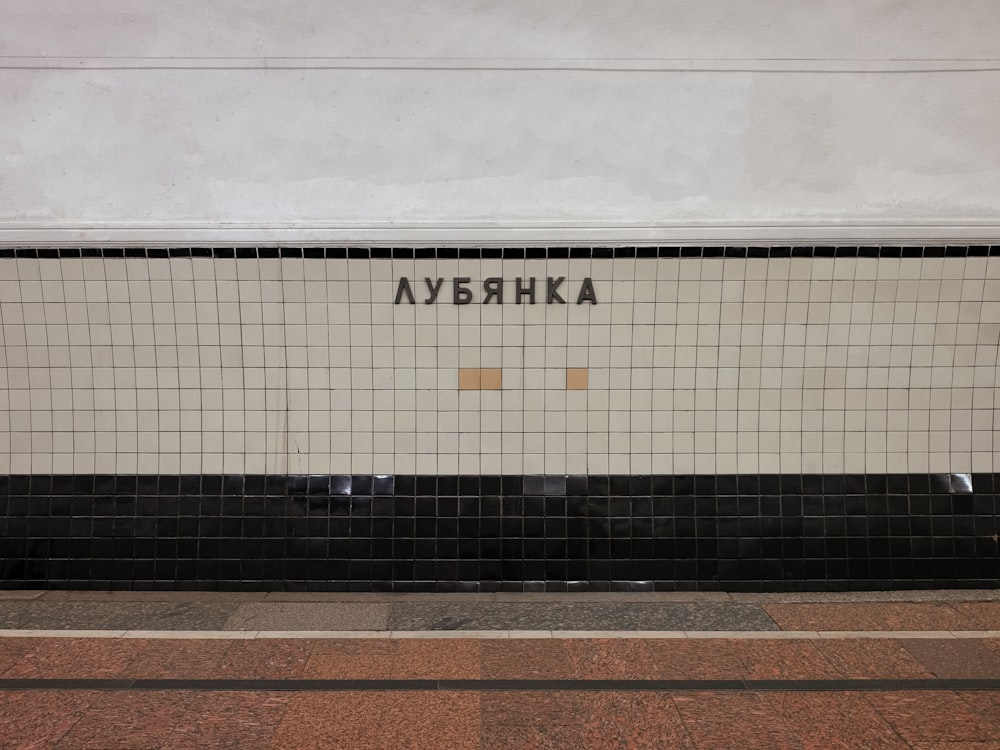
{"type": "Point", "coordinates": [137, 671]}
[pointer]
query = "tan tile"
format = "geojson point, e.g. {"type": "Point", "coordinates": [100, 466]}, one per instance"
{"type": "Point", "coordinates": [576, 378]}
{"type": "Point", "coordinates": [469, 378]}
{"type": "Point", "coordinates": [491, 379]}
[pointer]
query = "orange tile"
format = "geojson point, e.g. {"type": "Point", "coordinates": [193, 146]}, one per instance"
{"type": "Point", "coordinates": [469, 378]}
{"type": "Point", "coordinates": [576, 378]}
{"type": "Point", "coordinates": [491, 379]}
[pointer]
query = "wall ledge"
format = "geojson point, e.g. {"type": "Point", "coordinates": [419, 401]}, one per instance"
{"type": "Point", "coordinates": [895, 231]}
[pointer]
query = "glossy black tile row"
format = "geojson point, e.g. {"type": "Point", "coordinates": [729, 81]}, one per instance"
{"type": "Point", "coordinates": [593, 485]}
{"type": "Point", "coordinates": [513, 253]}
{"type": "Point", "coordinates": [490, 533]}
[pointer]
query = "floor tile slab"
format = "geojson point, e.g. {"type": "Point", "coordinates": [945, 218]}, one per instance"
{"type": "Point", "coordinates": [178, 659]}
{"type": "Point", "coordinates": [526, 659]}
{"type": "Point", "coordinates": [76, 658]}
{"type": "Point", "coordinates": [832, 721]}
{"type": "Point", "coordinates": [957, 658]}
{"type": "Point", "coordinates": [730, 721]}
{"type": "Point", "coordinates": [330, 721]}
{"type": "Point", "coordinates": [419, 721]}
{"type": "Point", "coordinates": [73, 615]}
{"type": "Point", "coordinates": [785, 660]}
{"type": "Point", "coordinates": [349, 660]}
{"type": "Point", "coordinates": [579, 616]}
{"type": "Point", "coordinates": [868, 616]}
{"type": "Point", "coordinates": [308, 616]}
{"type": "Point", "coordinates": [869, 658]}
{"type": "Point", "coordinates": [38, 719]}
{"type": "Point", "coordinates": [933, 717]}
{"type": "Point", "coordinates": [177, 721]}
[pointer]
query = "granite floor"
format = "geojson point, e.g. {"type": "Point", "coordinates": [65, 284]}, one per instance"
{"type": "Point", "coordinates": [197, 611]}
{"type": "Point", "coordinates": [142, 673]}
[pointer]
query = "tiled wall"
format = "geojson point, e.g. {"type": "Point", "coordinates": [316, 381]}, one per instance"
{"type": "Point", "coordinates": [693, 361]}
{"type": "Point", "coordinates": [713, 418]}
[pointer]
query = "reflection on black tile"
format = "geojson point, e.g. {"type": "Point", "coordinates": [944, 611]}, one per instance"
{"type": "Point", "coordinates": [554, 485]}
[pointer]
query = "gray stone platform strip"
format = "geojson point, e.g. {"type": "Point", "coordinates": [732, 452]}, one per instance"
{"type": "Point", "coordinates": [505, 685]}
{"type": "Point", "coordinates": [45, 615]}
{"type": "Point", "coordinates": [309, 616]}
{"type": "Point", "coordinates": [579, 616]}
{"type": "Point", "coordinates": [381, 616]}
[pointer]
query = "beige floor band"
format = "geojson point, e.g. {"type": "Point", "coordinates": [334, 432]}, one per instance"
{"type": "Point", "coordinates": [509, 634]}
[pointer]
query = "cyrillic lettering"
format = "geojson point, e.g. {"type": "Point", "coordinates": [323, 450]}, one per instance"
{"type": "Point", "coordinates": [493, 287]}
{"type": "Point", "coordinates": [551, 295]}
{"type": "Point", "coordinates": [460, 295]}
{"type": "Point", "coordinates": [587, 292]}
{"type": "Point", "coordinates": [404, 288]}
{"type": "Point", "coordinates": [525, 291]}
{"type": "Point", "coordinates": [432, 289]}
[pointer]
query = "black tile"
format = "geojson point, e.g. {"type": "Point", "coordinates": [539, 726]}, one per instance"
{"type": "Point", "coordinates": [553, 485]}
{"type": "Point", "coordinates": [285, 520]}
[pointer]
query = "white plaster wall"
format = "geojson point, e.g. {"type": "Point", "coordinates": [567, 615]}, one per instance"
{"type": "Point", "coordinates": [498, 122]}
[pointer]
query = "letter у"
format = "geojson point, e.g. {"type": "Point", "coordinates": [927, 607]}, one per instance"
{"type": "Point", "coordinates": [432, 290]}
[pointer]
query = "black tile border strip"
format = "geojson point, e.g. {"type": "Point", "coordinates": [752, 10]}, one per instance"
{"type": "Point", "coordinates": [515, 253]}
{"type": "Point", "coordinates": [474, 485]}
{"type": "Point", "coordinates": [295, 685]}
{"type": "Point", "coordinates": [411, 533]}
